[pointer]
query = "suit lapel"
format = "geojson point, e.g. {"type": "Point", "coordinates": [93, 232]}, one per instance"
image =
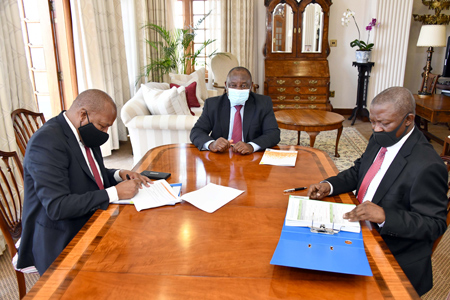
{"type": "Point", "coordinates": [396, 167]}
{"type": "Point", "coordinates": [250, 107]}
{"type": "Point", "coordinates": [225, 108]}
{"type": "Point", "coordinates": [72, 141]}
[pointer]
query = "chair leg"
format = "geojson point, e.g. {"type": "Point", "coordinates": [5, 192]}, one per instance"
{"type": "Point", "coordinates": [21, 284]}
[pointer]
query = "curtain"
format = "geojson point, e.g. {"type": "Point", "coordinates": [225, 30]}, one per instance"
{"type": "Point", "coordinates": [100, 56]}
{"type": "Point", "coordinates": [137, 13]}
{"type": "Point", "coordinates": [15, 85]}
{"type": "Point", "coordinates": [237, 34]}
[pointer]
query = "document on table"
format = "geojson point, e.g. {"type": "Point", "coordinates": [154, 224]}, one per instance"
{"type": "Point", "coordinates": [159, 193]}
{"type": "Point", "coordinates": [175, 186]}
{"type": "Point", "coordinates": [279, 158]}
{"type": "Point", "coordinates": [211, 197]}
{"type": "Point", "coordinates": [305, 212]}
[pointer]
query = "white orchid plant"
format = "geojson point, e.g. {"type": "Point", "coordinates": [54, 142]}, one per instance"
{"type": "Point", "coordinates": [363, 46]}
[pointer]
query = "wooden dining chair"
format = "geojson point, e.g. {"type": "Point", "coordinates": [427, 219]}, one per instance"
{"type": "Point", "coordinates": [25, 123]}
{"type": "Point", "coordinates": [430, 87]}
{"type": "Point", "coordinates": [11, 183]}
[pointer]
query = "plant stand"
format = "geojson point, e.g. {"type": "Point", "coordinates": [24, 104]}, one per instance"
{"type": "Point", "coordinates": [361, 95]}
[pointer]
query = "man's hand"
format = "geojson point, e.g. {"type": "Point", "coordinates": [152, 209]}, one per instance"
{"type": "Point", "coordinates": [243, 148]}
{"type": "Point", "coordinates": [134, 175]}
{"type": "Point", "coordinates": [319, 190]}
{"type": "Point", "coordinates": [128, 188]}
{"type": "Point", "coordinates": [220, 145]}
{"type": "Point", "coordinates": [366, 211]}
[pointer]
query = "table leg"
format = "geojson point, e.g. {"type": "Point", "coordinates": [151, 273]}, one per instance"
{"type": "Point", "coordinates": [312, 137]}
{"type": "Point", "coordinates": [336, 154]}
{"type": "Point", "coordinates": [298, 141]}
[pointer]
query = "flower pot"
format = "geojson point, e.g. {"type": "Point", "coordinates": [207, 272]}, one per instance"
{"type": "Point", "coordinates": [363, 56]}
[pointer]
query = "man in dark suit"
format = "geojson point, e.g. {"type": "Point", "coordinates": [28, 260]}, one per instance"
{"type": "Point", "coordinates": [239, 119]}
{"type": "Point", "coordinates": [401, 183]}
{"type": "Point", "coordinates": [65, 180]}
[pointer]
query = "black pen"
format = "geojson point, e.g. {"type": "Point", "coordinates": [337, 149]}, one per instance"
{"type": "Point", "coordinates": [128, 177]}
{"type": "Point", "coordinates": [295, 189]}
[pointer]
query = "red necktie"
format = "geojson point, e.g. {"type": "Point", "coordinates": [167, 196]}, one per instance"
{"type": "Point", "coordinates": [94, 169]}
{"type": "Point", "coordinates": [237, 125]}
{"type": "Point", "coordinates": [373, 170]}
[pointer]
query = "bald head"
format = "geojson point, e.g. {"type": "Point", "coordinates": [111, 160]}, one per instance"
{"type": "Point", "coordinates": [401, 99]}
{"type": "Point", "coordinates": [93, 101]}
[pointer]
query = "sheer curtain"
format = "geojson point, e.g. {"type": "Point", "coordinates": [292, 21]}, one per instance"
{"type": "Point", "coordinates": [15, 85]}
{"type": "Point", "coordinates": [137, 13]}
{"type": "Point", "coordinates": [100, 56]}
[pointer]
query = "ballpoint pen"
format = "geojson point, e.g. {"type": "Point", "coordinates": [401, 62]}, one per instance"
{"type": "Point", "coordinates": [295, 189]}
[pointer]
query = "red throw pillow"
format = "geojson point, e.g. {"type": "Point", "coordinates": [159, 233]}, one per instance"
{"type": "Point", "coordinates": [191, 96]}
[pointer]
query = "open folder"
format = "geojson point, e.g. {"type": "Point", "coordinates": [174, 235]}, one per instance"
{"type": "Point", "coordinates": [339, 251]}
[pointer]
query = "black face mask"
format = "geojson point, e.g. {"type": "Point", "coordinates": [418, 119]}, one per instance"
{"type": "Point", "coordinates": [91, 136]}
{"type": "Point", "coordinates": [387, 139]}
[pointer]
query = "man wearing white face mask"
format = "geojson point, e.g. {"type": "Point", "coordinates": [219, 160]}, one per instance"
{"type": "Point", "coordinates": [239, 119]}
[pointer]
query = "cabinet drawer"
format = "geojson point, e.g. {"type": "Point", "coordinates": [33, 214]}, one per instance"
{"type": "Point", "coordinates": [294, 68]}
{"type": "Point", "coordinates": [300, 98]}
{"type": "Point", "coordinates": [289, 90]}
{"type": "Point", "coordinates": [296, 81]}
{"type": "Point", "coordinates": [300, 106]}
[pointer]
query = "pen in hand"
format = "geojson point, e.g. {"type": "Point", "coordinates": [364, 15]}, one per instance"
{"type": "Point", "coordinates": [295, 189]}
{"type": "Point", "coordinates": [128, 177]}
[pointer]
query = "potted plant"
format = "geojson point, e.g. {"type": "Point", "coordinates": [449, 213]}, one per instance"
{"type": "Point", "coordinates": [364, 48]}
{"type": "Point", "coordinates": [175, 50]}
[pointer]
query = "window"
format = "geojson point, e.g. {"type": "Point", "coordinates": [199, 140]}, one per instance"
{"type": "Point", "coordinates": [190, 12]}
{"type": "Point", "coordinates": [49, 53]}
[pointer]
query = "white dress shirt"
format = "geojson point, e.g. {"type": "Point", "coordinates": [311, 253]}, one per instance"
{"type": "Point", "coordinates": [112, 191]}
{"type": "Point", "coordinates": [230, 131]}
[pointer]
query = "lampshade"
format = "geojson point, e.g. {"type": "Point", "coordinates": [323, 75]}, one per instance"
{"type": "Point", "coordinates": [432, 36]}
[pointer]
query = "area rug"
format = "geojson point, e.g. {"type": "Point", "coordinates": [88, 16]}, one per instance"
{"type": "Point", "coordinates": [351, 144]}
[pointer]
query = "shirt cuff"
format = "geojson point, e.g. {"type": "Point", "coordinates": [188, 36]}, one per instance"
{"type": "Point", "coordinates": [381, 225]}
{"type": "Point", "coordinates": [255, 147]}
{"type": "Point", "coordinates": [112, 194]}
{"type": "Point", "coordinates": [117, 176]}
{"type": "Point", "coordinates": [206, 145]}
{"type": "Point", "coordinates": [331, 187]}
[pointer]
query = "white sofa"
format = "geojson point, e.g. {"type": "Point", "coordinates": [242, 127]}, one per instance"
{"type": "Point", "coordinates": [149, 131]}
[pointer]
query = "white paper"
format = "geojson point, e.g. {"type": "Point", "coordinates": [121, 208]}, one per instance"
{"type": "Point", "coordinates": [157, 194]}
{"type": "Point", "coordinates": [302, 212]}
{"type": "Point", "coordinates": [175, 186]}
{"type": "Point", "coordinates": [211, 197]}
{"type": "Point", "coordinates": [279, 158]}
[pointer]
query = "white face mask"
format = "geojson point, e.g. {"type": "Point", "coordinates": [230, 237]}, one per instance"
{"type": "Point", "coordinates": [237, 97]}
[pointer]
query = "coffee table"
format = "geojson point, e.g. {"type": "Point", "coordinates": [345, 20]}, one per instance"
{"type": "Point", "coordinates": [311, 121]}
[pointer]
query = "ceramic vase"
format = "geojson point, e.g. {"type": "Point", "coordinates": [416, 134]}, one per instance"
{"type": "Point", "coordinates": [363, 56]}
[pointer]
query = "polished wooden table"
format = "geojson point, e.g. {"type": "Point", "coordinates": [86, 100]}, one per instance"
{"type": "Point", "coordinates": [311, 121]}
{"type": "Point", "coordinates": [434, 108]}
{"type": "Point", "coordinates": [181, 252]}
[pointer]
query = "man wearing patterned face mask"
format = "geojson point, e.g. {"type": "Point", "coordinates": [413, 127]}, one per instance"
{"type": "Point", "coordinates": [401, 183]}
{"type": "Point", "coordinates": [239, 119]}
{"type": "Point", "coordinates": [65, 180]}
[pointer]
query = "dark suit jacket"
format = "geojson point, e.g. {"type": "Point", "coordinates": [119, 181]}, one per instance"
{"type": "Point", "coordinates": [413, 196]}
{"type": "Point", "coordinates": [60, 193]}
{"type": "Point", "coordinates": [259, 124]}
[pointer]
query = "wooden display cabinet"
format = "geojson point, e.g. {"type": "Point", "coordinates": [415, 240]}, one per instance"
{"type": "Point", "coordinates": [297, 75]}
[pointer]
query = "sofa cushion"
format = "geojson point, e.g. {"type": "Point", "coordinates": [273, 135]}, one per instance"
{"type": "Point", "coordinates": [192, 100]}
{"type": "Point", "coordinates": [165, 102]}
{"type": "Point", "coordinates": [197, 76]}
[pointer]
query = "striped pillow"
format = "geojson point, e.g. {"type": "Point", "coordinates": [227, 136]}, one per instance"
{"type": "Point", "coordinates": [166, 102]}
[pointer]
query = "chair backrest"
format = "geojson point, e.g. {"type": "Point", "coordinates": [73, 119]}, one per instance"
{"type": "Point", "coordinates": [446, 160]}
{"type": "Point", "coordinates": [431, 83]}
{"type": "Point", "coordinates": [25, 123]}
{"type": "Point", "coordinates": [11, 202]}
{"type": "Point", "coordinates": [221, 64]}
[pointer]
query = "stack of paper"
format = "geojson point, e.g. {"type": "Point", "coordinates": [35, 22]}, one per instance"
{"type": "Point", "coordinates": [305, 212]}
{"type": "Point", "coordinates": [279, 158]}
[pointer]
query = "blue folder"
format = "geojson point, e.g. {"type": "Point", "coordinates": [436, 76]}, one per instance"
{"type": "Point", "coordinates": [342, 252]}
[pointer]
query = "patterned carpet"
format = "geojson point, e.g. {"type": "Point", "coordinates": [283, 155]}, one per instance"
{"type": "Point", "coordinates": [351, 145]}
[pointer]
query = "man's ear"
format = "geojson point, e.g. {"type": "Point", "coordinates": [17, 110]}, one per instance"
{"type": "Point", "coordinates": [82, 114]}
{"type": "Point", "coordinates": [410, 119]}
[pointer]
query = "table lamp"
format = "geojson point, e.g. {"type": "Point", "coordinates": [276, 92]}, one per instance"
{"type": "Point", "coordinates": [430, 36]}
